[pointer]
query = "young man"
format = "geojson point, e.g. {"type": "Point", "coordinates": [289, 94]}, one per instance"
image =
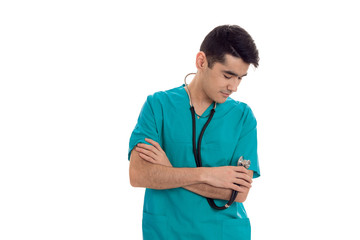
{"type": "Point", "coordinates": [164, 149]}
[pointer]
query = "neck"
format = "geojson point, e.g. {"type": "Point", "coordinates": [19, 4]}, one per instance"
{"type": "Point", "coordinates": [197, 93]}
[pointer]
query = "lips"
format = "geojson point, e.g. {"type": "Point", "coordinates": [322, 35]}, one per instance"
{"type": "Point", "coordinates": [225, 94]}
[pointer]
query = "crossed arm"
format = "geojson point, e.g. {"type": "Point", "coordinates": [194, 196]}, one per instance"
{"type": "Point", "coordinates": [150, 168]}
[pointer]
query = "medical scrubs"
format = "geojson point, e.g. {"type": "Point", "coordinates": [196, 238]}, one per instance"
{"type": "Point", "coordinates": [178, 213]}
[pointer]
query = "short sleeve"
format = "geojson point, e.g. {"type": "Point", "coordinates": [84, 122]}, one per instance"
{"type": "Point", "coordinates": [247, 143]}
{"type": "Point", "coordinates": [145, 126]}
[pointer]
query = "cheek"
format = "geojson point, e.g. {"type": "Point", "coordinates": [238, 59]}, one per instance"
{"type": "Point", "coordinates": [211, 86]}
{"type": "Point", "coordinates": [215, 81]}
{"type": "Point", "coordinates": [207, 88]}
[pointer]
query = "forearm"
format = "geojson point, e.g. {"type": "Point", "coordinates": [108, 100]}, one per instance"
{"type": "Point", "coordinates": [150, 168]}
{"type": "Point", "coordinates": [155, 176]}
{"type": "Point", "coordinates": [209, 191]}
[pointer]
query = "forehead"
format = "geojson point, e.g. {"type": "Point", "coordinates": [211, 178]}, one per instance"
{"type": "Point", "coordinates": [234, 64]}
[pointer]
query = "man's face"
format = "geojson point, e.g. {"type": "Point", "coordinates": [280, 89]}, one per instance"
{"type": "Point", "coordinates": [224, 78]}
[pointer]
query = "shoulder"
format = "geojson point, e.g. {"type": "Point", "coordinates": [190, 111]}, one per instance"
{"type": "Point", "coordinates": [162, 97]}
{"type": "Point", "coordinates": [240, 107]}
{"type": "Point", "coordinates": [243, 116]}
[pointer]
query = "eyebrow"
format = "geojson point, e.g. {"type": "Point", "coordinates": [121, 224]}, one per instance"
{"type": "Point", "coordinates": [233, 74]}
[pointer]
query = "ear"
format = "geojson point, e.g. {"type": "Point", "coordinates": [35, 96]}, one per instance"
{"type": "Point", "coordinates": [201, 61]}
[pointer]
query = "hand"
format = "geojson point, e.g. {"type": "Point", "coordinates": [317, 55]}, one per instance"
{"type": "Point", "coordinates": [231, 177]}
{"type": "Point", "coordinates": [152, 153]}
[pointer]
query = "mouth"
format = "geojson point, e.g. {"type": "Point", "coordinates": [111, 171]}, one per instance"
{"type": "Point", "coordinates": [225, 94]}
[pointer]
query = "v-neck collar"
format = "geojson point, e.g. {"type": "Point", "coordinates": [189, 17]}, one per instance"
{"type": "Point", "coordinates": [220, 107]}
{"type": "Point", "coordinates": [206, 112]}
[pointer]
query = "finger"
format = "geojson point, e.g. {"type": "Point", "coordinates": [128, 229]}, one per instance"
{"type": "Point", "coordinates": [147, 158]}
{"type": "Point", "coordinates": [243, 183]}
{"type": "Point", "coordinates": [241, 169]}
{"type": "Point", "coordinates": [148, 147]}
{"type": "Point", "coordinates": [155, 144]}
{"type": "Point", "coordinates": [240, 189]}
{"type": "Point", "coordinates": [241, 172]}
{"type": "Point", "coordinates": [245, 177]}
{"type": "Point", "coordinates": [146, 152]}
{"type": "Point", "coordinates": [236, 188]}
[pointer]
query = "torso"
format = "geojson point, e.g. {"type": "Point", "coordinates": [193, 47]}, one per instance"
{"type": "Point", "coordinates": [175, 212]}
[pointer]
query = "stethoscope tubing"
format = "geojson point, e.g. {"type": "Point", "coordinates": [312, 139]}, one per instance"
{"type": "Point", "coordinates": [197, 155]}
{"type": "Point", "coordinates": [197, 151]}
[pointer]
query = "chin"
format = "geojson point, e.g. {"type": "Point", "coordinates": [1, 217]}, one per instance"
{"type": "Point", "coordinates": [221, 100]}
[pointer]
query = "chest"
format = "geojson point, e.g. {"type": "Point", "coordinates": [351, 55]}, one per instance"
{"type": "Point", "coordinates": [218, 142]}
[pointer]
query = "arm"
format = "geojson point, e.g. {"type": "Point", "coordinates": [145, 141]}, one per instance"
{"type": "Point", "coordinates": [209, 191]}
{"type": "Point", "coordinates": [145, 174]}
{"type": "Point", "coordinates": [150, 167]}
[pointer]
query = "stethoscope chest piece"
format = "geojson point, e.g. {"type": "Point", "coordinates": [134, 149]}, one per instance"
{"type": "Point", "coordinates": [243, 162]}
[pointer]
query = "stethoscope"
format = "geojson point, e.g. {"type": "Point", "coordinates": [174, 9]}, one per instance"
{"type": "Point", "coordinates": [197, 150]}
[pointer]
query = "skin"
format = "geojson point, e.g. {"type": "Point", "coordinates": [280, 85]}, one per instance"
{"type": "Point", "coordinates": [149, 165]}
{"type": "Point", "coordinates": [209, 84]}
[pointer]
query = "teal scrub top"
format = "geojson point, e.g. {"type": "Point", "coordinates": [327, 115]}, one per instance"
{"type": "Point", "coordinates": [178, 213]}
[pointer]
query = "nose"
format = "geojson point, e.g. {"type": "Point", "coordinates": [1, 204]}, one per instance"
{"type": "Point", "coordinates": [233, 85]}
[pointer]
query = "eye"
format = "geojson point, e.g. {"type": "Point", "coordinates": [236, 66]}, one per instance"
{"type": "Point", "coordinates": [227, 77]}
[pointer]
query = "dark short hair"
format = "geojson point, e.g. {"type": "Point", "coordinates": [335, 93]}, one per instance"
{"type": "Point", "coordinates": [229, 39]}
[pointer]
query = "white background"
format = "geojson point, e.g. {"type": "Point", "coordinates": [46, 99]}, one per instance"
{"type": "Point", "coordinates": [74, 75]}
